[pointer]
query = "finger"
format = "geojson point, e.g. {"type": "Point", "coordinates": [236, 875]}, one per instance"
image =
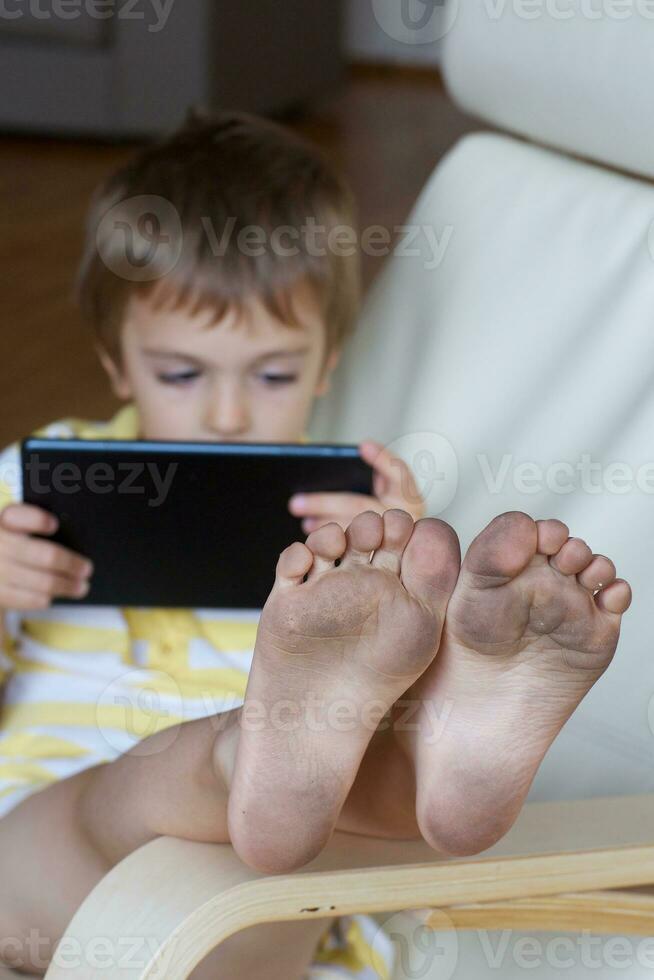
{"type": "Point", "coordinates": [46, 556]}
{"type": "Point", "coordinates": [50, 584]}
{"type": "Point", "coordinates": [19, 599]}
{"type": "Point", "coordinates": [310, 524]}
{"type": "Point", "coordinates": [26, 519]}
{"type": "Point", "coordinates": [333, 505]}
{"type": "Point", "coordinates": [394, 481]}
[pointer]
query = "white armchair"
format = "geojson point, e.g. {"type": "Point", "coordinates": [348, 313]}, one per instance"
{"type": "Point", "coordinates": [529, 351]}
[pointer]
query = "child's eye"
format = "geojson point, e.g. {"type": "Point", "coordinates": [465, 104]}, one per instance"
{"type": "Point", "coordinates": [276, 380]}
{"type": "Point", "coordinates": [178, 377]}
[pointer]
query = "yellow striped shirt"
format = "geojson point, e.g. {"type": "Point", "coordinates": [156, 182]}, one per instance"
{"type": "Point", "coordinates": [83, 684]}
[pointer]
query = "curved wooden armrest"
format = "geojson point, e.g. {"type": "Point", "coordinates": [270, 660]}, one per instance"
{"type": "Point", "coordinates": [625, 913]}
{"type": "Point", "coordinates": [173, 901]}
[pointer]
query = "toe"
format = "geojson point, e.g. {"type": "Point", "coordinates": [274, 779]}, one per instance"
{"type": "Point", "coordinates": [293, 564]}
{"type": "Point", "coordinates": [552, 535]}
{"type": "Point", "coordinates": [572, 558]}
{"type": "Point", "coordinates": [600, 573]}
{"type": "Point", "coordinates": [615, 598]}
{"type": "Point", "coordinates": [364, 535]}
{"type": "Point", "coordinates": [502, 550]}
{"type": "Point", "coordinates": [327, 544]}
{"type": "Point", "coordinates": [398, 528]}
{"type": "Point", "coordinates": [431, 564]}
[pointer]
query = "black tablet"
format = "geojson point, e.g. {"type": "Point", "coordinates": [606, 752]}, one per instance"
{"type": "Point", "coordinates": [197, 525]}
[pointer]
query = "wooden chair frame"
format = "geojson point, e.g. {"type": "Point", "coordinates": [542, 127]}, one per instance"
{"type": "Point", "coordinates": [564, 866]}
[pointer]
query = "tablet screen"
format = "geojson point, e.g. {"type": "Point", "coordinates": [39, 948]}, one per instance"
{"type": "Point", "coordinates": [196, 525]}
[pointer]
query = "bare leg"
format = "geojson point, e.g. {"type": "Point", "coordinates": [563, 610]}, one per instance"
{"type": "Point", "coordinates": [58, 844]}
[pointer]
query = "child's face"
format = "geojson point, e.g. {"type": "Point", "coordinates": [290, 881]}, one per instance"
{"type": "Point", "coordinates": [249, 378]}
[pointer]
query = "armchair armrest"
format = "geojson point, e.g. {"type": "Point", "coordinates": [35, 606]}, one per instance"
{"type": "Point", "coordinates": [182, 899]}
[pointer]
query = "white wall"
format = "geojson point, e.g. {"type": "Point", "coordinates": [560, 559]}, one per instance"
{"type": "Point", "coordinates": [376, 32]}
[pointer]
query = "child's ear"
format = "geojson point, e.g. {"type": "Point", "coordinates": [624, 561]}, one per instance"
{"type": "Point", "coordinates": [324, 385]}
{"type": "Point", "coordinates": [119, 382]}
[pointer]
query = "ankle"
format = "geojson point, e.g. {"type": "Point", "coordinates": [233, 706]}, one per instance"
{"type": "Point", "coordinates": [225, 747]}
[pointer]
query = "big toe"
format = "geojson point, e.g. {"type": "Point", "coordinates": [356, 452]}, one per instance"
{"type": "Point", "coordinates": [503, 549]}
{"type": "Point", "coordinates": [431, 563]}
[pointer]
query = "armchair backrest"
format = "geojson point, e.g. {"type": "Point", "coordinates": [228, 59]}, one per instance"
{"type": "Point", "coordinates": [513, 363]}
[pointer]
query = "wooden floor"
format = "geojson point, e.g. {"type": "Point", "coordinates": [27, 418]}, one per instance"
{"type": "Point", "coordinates": [387, 128]}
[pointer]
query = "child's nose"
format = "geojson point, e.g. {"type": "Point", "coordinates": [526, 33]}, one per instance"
{"type": "Point", "coordinates": [228, 414]}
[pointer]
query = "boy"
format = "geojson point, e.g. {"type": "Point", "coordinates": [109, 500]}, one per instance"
{"type": "Point", "coordinates": [236, 345]}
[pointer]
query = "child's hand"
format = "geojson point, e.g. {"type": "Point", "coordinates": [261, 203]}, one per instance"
{"type": "Point", "coordinates": [393, 484]}
{"type": "Point", "coordinates": [33, 572]}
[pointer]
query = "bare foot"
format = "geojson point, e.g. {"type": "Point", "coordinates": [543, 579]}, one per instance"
{"type": "Point", "coordinates": [533, 623]}
{"type": "Point", "coordinates": [337, 645]}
